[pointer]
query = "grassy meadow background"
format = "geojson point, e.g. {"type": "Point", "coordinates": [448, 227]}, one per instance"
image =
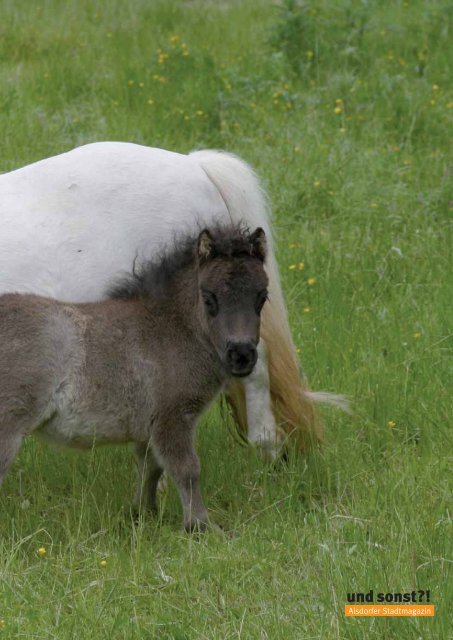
{"type": "Point", "coordinates": [344, 109]}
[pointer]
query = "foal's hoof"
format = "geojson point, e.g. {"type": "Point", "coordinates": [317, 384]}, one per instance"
{"type": "Point", "coordinates": [139, 512]}
{"type": "Point", "coordinates": [196, 526]}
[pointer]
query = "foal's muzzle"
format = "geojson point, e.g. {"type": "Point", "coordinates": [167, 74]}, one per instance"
{"type": "Point", "coordinates": [241, 358]}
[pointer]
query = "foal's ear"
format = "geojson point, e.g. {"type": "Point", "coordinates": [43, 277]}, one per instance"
{"type": "Point", "coordinates": [205, 246]}
{"type": "Point", "coordinates": [259, 244]}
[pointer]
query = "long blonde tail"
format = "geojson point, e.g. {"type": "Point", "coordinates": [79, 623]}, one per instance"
{"type": "Point", "coordinates": [292, 403]}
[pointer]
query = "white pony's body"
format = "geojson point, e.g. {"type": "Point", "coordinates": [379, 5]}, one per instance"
{"type": "Point", "coordinates": [71, 224]}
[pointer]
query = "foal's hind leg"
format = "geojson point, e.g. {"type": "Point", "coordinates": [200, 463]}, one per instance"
{"type": "Point", "coordinates": [149, 472]}
{"type": "Point", "coordinates": [9, 448]}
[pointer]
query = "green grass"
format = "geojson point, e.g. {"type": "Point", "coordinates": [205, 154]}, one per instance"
{"type": "Point", "coordinates": [362, 197]}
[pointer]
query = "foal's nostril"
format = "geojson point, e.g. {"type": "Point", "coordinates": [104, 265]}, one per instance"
{"type": "Point", "coordinates": [241, 356]}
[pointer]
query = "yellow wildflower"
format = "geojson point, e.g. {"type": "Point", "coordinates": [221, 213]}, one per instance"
{"type": "Point", "coordinates": [103, 563]}
{"type": "Point", "coordinates": [199, 112]}
{"type": "Point", "coordinates": [42, 552]}
{"type": "Point", "coordinates": [174, 39]}
{"type": "Point", "coordinates": [338, 110]}
{"type": "Point", "coordinates": [141, 85]}
{"type": "Point", "coordinates": [391, 424]}
{"type": "Point", "coordinates": [2, 624]}
{"type": "Point", "coordinates": [417, 335]}
{"type": "Point", "coordinates": [311, 281]}
{"type": "Point", "coordinates": [150, 101]}
{"type": "Point", "coordinates": [296, 149]}
{"type": "Point", "coordinates": [317, 183]}
{"type": "Point", "coordinates": [309, 54]}
{"type": "Point", "coordinates": [436, 87]}
{"type": "Point", "coordinates": [130, 83]}
{"type": "Point", "coordinates": [307, 309]}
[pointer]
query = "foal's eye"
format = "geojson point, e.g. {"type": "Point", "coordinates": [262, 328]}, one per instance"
{"type": "Point", "coordinates": [260, 300]}
{"type": "Point", "coordinates": [210, 302]}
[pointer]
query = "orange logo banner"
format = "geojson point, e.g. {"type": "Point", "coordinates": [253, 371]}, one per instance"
{"type": "Point", "coordinates": [383, 610]}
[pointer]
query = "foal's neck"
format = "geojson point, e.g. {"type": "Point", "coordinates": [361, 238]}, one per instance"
{"type": "Point", "coordinates": [181, 297]}
{"type": "Point", "coordinates": [178, 294]}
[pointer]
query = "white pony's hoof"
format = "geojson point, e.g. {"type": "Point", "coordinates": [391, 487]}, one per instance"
{"type": "Point", "coordinates": [268, 449]}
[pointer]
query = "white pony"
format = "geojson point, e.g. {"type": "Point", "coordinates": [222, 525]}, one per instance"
{"type": "Point", "coordinates": [71, 224]}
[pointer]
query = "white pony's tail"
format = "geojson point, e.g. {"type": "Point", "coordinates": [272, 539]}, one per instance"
{"type": "Point", "coordinates": [293, 403]}
{"type": "Point", "coordinates": [336, 400]}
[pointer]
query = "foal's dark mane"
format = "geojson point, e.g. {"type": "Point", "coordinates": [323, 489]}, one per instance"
{"type": "Point", "coordinates": [155, 277]}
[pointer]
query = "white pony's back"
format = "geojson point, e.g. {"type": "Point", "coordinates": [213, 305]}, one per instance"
{"type": "Point", "coordinates": [71, 223]}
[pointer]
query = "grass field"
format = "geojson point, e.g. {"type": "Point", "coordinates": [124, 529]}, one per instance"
{"type": "Point", "coordinates": [344, 109]}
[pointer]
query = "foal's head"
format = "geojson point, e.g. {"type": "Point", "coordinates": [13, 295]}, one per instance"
{"type": "Point", "coordinates": [233, 289]}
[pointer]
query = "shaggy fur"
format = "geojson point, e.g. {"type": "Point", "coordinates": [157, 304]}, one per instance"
{"type": "Point", "coordinates": [155, 277]}
{"type": "Point", "coordinates": [140, 368]}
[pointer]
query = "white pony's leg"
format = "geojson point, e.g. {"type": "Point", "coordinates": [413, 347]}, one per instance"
{"type": "Point", "coordinates": [262, 429]}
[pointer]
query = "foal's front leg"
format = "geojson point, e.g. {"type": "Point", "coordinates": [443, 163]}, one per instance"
{"type": "Point", "coordinates": [149, 473]}
{"type": "Point", "coordinates": [10, 443]}
{"type": "Point", "coordinates": [174, 444]}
